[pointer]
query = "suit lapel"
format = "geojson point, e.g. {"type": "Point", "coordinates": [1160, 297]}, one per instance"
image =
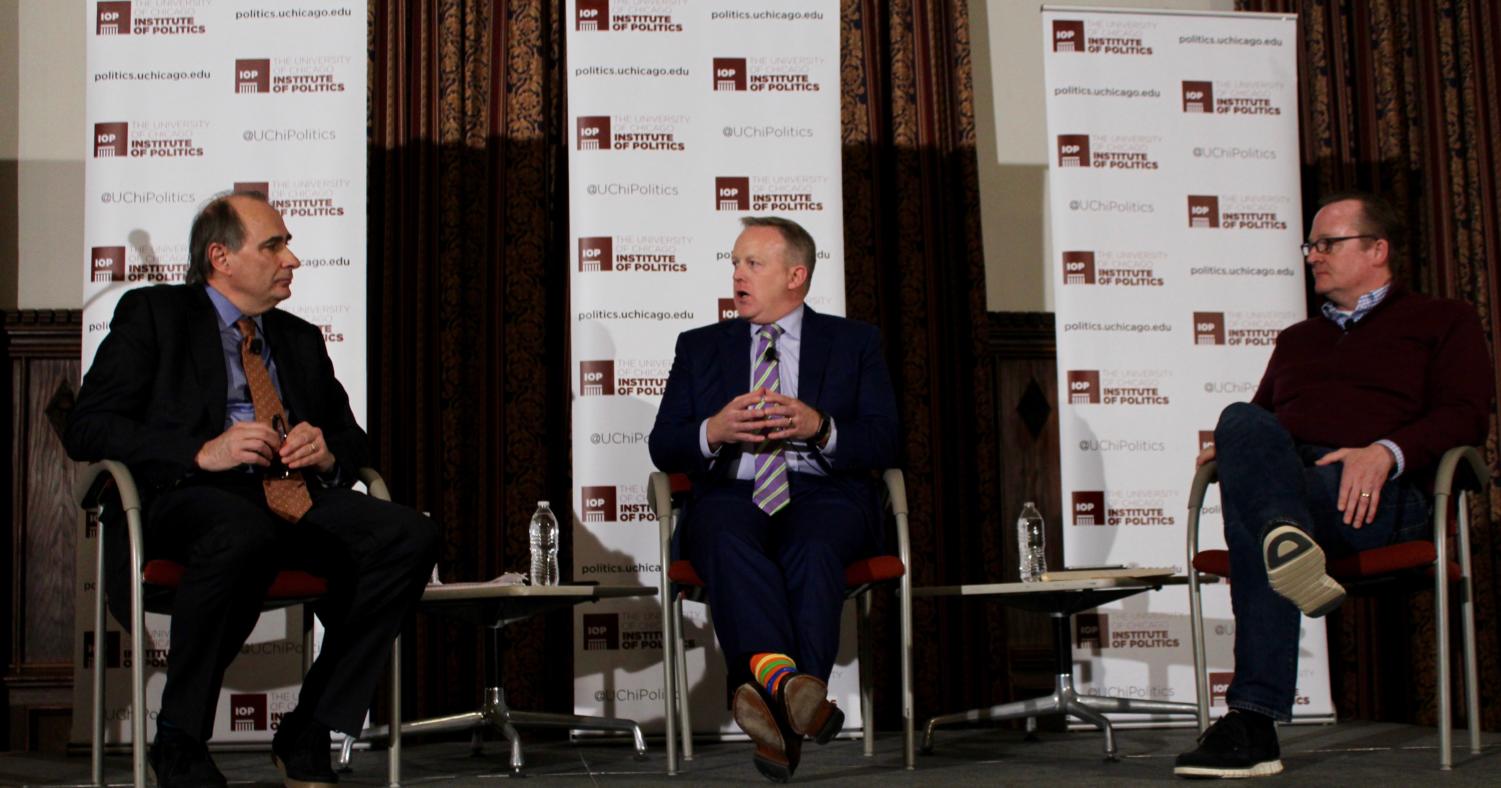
{"type": "Point", "coordinates": [814, 360]}
{"type": "Point", "coordinates": [734, 362]}
{"type": "Point", "coordinates": [734, 358]}
{"type": "Point", "coordinates": [205, 345]}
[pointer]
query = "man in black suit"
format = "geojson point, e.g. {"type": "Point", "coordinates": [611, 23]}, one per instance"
{"type": "Point", "coordinates": [780, 417]}
{"type": "Point", "coordinates": [218, 401]}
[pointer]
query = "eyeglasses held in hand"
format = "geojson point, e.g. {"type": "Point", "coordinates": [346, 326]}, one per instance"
{"type": "Point", "coordinates": [279, 469]}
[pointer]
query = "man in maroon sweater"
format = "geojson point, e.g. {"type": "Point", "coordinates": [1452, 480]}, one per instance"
{"type": "Point", "coordinates": [1335, 452]}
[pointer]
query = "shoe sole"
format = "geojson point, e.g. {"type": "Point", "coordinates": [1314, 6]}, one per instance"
{"type": "Point", "coordinates": [1295, 568]}
{"type": "Point", "coordinates": [291, 782]}
{"type": "Point", "coordinates": [809, 711]}
{"type": "Point", "coordinates": [1263, 769]}
{"type": "Point", "coordinates": [755, 718]}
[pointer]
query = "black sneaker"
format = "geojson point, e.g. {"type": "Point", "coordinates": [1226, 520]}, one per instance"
{"type": "Point", "coordinates": [300, 749]}
{"type": "Point", "coordinates": [1240, 744]}
{"type": "Point", "coordinates": [180, 761]}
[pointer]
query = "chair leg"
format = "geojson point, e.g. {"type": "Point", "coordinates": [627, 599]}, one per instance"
{"type": "Point", "coordinates": [680, 653]}
{"type": "Point", "coordinates": [670, 679]}
{"type": "Point", "coordinates": [1441, 633]}
{"type": "Point", "coordinates": [100, 636]}
{"type": "Point", "coordinates": [867, 659]}
{"type": "Point", "coordinates": [909, 720]}
{"type": "Point", "coordinates": [1467, 622]}
{"type": "Point", "coordinates": [393, 747]}
{"type": "Point", "coordinates": [141, 641]}
{"type": "Point", "coordinates": [1196, 631]}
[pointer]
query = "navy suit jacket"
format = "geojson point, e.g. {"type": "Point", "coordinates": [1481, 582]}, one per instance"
{"type": "Point", "coordinates": [841, 372]}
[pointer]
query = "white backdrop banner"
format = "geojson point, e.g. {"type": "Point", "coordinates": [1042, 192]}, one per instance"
{"type": "Point", "coordinates": [683, 117]}
{"type": "Point", "coordinates": [1176, 217]}
{"type": "Point", "coordinates": [186, 99]}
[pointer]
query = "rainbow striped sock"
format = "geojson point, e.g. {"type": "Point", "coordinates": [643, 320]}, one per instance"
{"type": "Point", "coordinates": [771, 669]}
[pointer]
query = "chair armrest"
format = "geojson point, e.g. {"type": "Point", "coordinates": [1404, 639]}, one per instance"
{"type": "Point", "coordinates": [896, 490]}
{"type": "Point", "coordinates": [1207, 474]}
{"type": "Point", "coordinates": [659, 494]}
{"type": "Point", "coordinates": [374, 483]}
{"type": "Point", "coordinates": [896, 498]}
{"type": "Point", "coordinates": [1464, 465]}
{"type": "Point", "coordinates": [91, 482]}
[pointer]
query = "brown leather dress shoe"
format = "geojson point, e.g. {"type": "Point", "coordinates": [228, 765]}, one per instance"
{"type": "Point", "coordinates": [778, 749]}
{"type": "Point", "coordinates": [808, 710]}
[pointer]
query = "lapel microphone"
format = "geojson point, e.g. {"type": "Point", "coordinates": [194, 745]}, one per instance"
{"type": "Point", "coordinates": [255, 346]}
{"type": "Point", "coordinates": [771, 352]}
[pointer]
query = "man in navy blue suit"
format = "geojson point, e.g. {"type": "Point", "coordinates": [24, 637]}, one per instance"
{"type": "Point", "coordinates": [779, 417]}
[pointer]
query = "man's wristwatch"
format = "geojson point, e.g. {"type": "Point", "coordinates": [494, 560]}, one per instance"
{"type": "Point", "coordinates": [825, 425]}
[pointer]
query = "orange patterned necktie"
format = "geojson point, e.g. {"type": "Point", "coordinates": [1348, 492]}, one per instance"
{"type": "Point", "coordinates": [288, 497]}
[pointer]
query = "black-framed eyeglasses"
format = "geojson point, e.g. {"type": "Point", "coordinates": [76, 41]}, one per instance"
{"type": "Point", "coordinates": [1326, 245]}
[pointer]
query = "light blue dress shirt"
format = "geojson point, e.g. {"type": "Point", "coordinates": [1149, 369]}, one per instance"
{"type": "Point", "coordinates": [237, 404]}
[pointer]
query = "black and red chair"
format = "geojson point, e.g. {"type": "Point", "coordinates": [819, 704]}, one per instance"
{"type": "Point", "coordinates": [1407, 565]}
{"type": "Point", "coordinates": [681, 582]}
{"type": "Point", "coordinates": [152, 587]}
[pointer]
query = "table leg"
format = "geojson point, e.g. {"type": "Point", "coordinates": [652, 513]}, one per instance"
{"type": "Point", "coordinates": [1028, 709]}
{"type": "Point", "coordinates": [1064, 700]}
{"type": "Point", "coordinates": [1133, 706]}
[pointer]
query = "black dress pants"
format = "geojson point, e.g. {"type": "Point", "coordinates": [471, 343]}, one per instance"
{"type": "Point", "coordinates": [377, 557]}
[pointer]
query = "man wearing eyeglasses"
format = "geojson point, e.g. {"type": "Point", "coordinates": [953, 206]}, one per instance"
{"type": "Point", "coordinates": [1336, 452]}
{"type": "Point", "coordinates": [228, 414]}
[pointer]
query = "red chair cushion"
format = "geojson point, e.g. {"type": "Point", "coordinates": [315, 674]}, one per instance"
{"type": "Point", "coordinates": [866, 570]}
{"type": "Point", "coordinates": [1213, 562]}
{"type": "Point", "coordinates": [1360, 566]}
{"type": "Point", "coordinates": [683, 573]}
{"type": "Point", "coordinates": [873, 570]}
{"type": "Point", "coordinates": [289, 584]}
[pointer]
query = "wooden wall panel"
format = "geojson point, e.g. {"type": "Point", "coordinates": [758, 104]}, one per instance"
{"type": "Point", "coordinates": [1022, 349]}
{"type": "Point", "coordinates": [42, 369]}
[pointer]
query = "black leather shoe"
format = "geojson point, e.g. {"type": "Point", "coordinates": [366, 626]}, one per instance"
{"type": "Point", "coordinates": [1238, 745]}
{"type": "Point", "coordinates": [778, 749]}
{"type": "Point", "coordinates": [180, 761]}
{"type": "Point", "coordinates": [805, 703]}
{"type": "Point", "coordinates": [300, 750]}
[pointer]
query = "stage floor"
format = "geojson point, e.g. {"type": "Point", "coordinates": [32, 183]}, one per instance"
{"type": "Point", "coordinates": [1351, 753]}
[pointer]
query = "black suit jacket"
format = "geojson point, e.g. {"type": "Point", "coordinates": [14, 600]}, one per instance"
{"type": "Point", "coordinates": [157, 390]}
{"type": "Point", "coordinates": [841, 372]}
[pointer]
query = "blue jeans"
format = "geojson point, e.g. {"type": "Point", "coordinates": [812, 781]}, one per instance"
{"type": "Point", "coordinates": [1267, 479]}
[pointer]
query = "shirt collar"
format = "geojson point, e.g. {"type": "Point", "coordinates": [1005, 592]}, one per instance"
{"type": "Point", "coordinates": [790, 323]}
{"type": "Point", "coordinates": [229, 314]}
{"type": "Point", "coordinates": [1363, 306]}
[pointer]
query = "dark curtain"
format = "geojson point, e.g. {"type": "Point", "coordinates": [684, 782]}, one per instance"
{"type": "Point", "coordinates": [469, 340]}
{"type": "Point", "coordinates": [1401, 97]}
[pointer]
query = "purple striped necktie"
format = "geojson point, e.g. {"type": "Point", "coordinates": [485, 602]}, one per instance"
{"type": "Point", "coordinates": [771, 492]}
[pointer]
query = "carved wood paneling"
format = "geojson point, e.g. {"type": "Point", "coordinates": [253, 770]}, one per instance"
{"type": "Point", "coordinates": [1023, 355]}
{"type": "Point", "coordinates": [42, 351]}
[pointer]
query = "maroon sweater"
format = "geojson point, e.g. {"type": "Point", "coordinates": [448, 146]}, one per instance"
{"type": "Point", "coordinates": [1415, 370]}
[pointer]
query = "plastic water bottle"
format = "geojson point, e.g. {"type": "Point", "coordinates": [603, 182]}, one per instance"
{"type": "Point", "coordinates": [1029, 544]}
{"type": "Point", "coordinates": [544, 533]}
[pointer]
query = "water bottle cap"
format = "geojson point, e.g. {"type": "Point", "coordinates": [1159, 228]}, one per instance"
{"type": "Point", "coordinates": [1029, 503]}
{"type": "Point", "coordinates": [541, 504]}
